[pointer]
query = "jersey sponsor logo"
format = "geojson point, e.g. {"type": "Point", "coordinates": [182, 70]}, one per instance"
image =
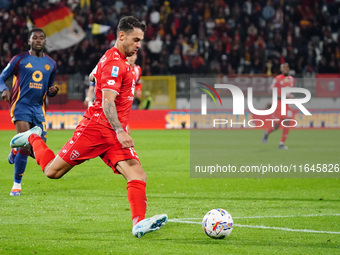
{"type": "Point", "coordinates": [28, 65]}
{"type": "Point", "coordinates": [111, 82]}
{"type": "Point", "coordinates": [115, 70]}
{"type": "Point", "coordinates": [74, 154]}
{"type": "Point", "coordinates": [47, 67]}
{"type": "Point", "coordinates": [34, 85]}
{"type": "Point", "coordinates": [37, 76]}
{"type": "Point", "coordinates": [133, 152]}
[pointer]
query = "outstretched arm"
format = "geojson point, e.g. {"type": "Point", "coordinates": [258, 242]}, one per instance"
{"type": "Point", "coordinates": [110, 111]}
{"type": "Point", "coordinates": [5, 95]}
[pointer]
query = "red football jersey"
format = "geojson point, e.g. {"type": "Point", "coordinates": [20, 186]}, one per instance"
{"type": "Point", "coordinates": [137, 72]}
{"type": "Point", "coordinates": [113, 73]}
{"type": "Point", "coordinates": [282, 81]}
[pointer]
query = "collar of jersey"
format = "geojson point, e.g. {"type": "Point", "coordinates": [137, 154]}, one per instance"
{"type": "Point", "coordinates": [120, 54]}
{"type": "Point", "coordinates": [29, 52]}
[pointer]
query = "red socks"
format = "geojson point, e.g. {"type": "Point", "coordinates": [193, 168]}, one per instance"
{"type": "Point", "coordinates": [137, 199]}
{"type": "Point", "coordinates": [285, 132]}
{"type": "Point", "coordinates": [42, 153]}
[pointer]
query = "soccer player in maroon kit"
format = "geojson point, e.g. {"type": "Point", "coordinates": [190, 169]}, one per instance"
{"type": "Point", "coordinates": [281, 81]}
{"type": "Point", "coordinates": [102, 132]}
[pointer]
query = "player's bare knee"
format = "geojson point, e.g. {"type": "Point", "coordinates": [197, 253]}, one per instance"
{"type": "Point", "coordinates": [143, 176]}
{"type": "Point", "coordinates": [137, 174]}
{"type": "Point", "coordinates": [138, 171]}
{"type": "Point", "coordinates": [51, 174]}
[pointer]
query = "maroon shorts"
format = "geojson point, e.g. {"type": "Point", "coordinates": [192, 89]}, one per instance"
{"type": "Point", "coordinates": [90, 140]}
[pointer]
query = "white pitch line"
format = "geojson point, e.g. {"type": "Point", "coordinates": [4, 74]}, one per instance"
{"type": "Point", "coordinates": [286, 216]}
{"type": "Point", "coordinates": [262, 227]}
{"type": "Point", "coordinates": [274, 216]}
{"type": "Point", "coordinates": [290, 229]}
{"type": "Point", "coordinates": [184, 221]}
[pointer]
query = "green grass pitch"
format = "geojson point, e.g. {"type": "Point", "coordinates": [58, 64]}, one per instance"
{"type": "Point", "coordinates": [87, 212]}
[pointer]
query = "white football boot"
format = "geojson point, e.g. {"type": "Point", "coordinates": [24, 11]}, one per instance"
{"type": "Point", "coordinates": [21, 139]}
{"type": "Point", "coordinates": [150, 224]}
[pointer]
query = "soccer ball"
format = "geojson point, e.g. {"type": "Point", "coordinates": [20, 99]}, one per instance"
{"type": "Point", "coordinates": [217, 223]}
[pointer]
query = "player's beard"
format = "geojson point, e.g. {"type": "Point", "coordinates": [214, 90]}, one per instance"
{"type": "Point", "coordinates": [128, 52]}
{"type": "Point", "coordinates": [38, 50]}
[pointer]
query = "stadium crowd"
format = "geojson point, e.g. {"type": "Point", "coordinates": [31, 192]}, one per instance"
{"type": "Point", "coordinates": [195, 36]}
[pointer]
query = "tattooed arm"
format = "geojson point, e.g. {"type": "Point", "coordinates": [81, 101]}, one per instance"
{"type": "Point", "coordinates": [110, 111]}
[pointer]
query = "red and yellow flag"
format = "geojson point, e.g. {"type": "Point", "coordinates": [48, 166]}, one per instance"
{"type": "Point", "coordinates": [61, 29]}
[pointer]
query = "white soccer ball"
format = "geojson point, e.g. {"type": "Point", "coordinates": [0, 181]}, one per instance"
{"type": "Point", "coordinates": [217, 223]}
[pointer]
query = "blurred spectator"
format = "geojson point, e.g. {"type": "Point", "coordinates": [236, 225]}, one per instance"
{"type": "Point", "coordinates": [175, 61]}
{"type": "Point", "coordinates": [147, 100]}
{"type": "Point", "coordinates": [268, 11]}
{"type": "Point", "coordinates": [198, 64]}
{"type": "Point", "coordinates": [155, 47]}
{"type": "Point", "coordinates": [154, 16]}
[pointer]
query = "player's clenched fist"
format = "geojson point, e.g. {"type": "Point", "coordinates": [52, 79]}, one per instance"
{"type": "Point", "coordinates": [5, 95]}
{"type": "Point", "coordinates": [53, 90]}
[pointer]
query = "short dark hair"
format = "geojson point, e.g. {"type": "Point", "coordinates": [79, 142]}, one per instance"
{"type": "Point", "coordinates": [128, 23]}
{"type": "Point", "coordinates": [36, 29]}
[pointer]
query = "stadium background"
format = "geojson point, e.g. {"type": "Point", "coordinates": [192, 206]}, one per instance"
{"type": "Point", "coordinates": [87, 212]}
{"type": "Point", "coordinates": [240, 40]}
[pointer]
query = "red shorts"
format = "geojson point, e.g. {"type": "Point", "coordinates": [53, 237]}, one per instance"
{"type": "Point", "coordinates": [277, 113]}
{"type": "Point", "coordinates": [90, 140]}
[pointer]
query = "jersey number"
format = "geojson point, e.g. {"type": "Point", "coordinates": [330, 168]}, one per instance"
{"type": "Point", "coordinates": [133, 152]}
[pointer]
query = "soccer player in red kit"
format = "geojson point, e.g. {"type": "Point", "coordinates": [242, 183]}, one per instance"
{"type": "Point", "coordinates": [102, 132]}
{"type": "Point", "coordinates": [137, 71]}
{"type": "Point", "coordinates": [281, 81]}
